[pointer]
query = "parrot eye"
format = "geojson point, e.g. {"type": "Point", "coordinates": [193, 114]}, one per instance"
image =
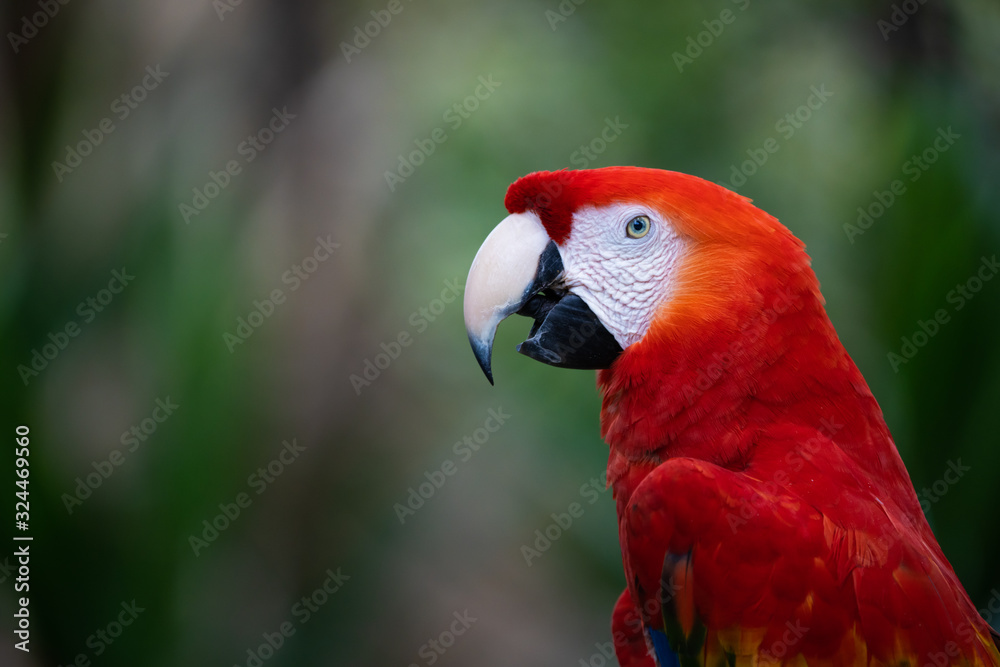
{"type": "Point", "coordinates": [637, 227]}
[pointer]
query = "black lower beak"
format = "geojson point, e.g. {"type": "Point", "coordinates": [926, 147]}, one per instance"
{"type": "Point", "coordinates": [566, 333]}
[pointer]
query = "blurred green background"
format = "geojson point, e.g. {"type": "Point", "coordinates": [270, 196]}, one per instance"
{"type": "Point", "coordinates": [697, 88]}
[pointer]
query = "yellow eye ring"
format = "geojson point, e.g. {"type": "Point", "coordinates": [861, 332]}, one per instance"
{"type": "Point", "coordinates": [638, 227]}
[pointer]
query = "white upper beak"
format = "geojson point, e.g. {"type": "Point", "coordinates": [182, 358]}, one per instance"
{"type": "Point", "coordinates": [502, 275]}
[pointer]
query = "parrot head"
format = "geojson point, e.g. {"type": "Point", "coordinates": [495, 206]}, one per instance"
{"type": "Point", "coordinates": [622, 258]}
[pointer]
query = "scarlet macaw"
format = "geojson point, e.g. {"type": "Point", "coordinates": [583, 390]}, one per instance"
{"type": "Point", "coordinates": [765, 515]}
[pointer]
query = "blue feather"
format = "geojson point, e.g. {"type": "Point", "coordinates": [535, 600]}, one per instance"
{"type": "Point", "coordinates": [665, 656]}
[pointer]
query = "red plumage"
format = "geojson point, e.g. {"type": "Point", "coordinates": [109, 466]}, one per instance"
{"type": "Point", "coordinates": [764, 511]}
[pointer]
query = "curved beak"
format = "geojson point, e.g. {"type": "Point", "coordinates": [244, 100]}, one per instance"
{"type": "Point", "coordinates": [519, 269]}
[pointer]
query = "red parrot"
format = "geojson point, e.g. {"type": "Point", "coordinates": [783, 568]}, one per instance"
{"type": "Point", "coordinates": [764, 513]}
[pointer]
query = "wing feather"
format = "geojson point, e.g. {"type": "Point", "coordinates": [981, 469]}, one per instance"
{"type": "Point", "coordinates": [762, 566]}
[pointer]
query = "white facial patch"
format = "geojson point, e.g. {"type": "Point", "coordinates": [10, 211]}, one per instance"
{"type": "Point", "coordinates": [623, 280]}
